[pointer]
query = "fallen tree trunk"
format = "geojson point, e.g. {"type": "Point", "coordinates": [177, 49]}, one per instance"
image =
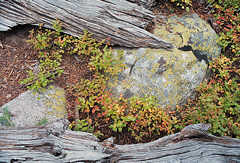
{"type": "Point", "coordinates": [145, 3]}
{"type": "Point", "coordinates": [122, 22]}
{"type": "Point", "coordinates": [53, 143]}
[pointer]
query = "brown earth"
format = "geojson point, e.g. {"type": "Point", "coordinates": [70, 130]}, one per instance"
{"type": "Point", "coordinates": [17, 57]}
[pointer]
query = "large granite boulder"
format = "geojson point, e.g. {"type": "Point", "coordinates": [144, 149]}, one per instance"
{"type": "Point", "coordinates": [170, 75]}
{"type": "Point", "coordinates": [32, 109]}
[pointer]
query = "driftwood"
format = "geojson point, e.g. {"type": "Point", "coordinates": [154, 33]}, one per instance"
{"type": "Point", "coordinates": [53, 143]}
{"type": "Point", "coordinates": [145, 3]}
{"type": "Point", "coordinates": [122, 22]}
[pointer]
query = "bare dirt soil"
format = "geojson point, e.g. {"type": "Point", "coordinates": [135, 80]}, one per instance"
{"type": "Point", "coordinates": [17, 57]}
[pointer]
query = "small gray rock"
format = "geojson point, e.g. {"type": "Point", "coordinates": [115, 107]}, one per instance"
{"type": "Point", "coordinates": [29, 108]}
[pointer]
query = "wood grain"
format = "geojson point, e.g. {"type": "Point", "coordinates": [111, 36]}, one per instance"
{"type": "Point", "coordinates": [56, 144]}
{"type": "Point", "coordinates": [120, 21]}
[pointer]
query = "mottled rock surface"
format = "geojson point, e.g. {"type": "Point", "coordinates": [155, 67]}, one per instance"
{"type": "Point", "coordinates": [31, 109]}
{"type": "Point", "coordinates": [170, 75]}
{"type": "Point", "coordinates": [190, 31]}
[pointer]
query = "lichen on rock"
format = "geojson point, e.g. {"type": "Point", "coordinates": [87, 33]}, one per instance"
{"type": "Point", "coordinates": [169, 75]}
{"type": "Point", "coordinates": [30, 108]}
{"type": "Point", "coordinates": [189, 30]}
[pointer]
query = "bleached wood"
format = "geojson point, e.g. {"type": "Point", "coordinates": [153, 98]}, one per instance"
{"type": "Point", "coordinates": [120, 21]}
{"type": "Point", "coordinates": [55, 144]}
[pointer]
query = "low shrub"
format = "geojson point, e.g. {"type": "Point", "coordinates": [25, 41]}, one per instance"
{"type": "Point", "coordinates": [142, 119]}
{"type": "Point", "coordinates": [229, 20]}
{"type": "Point", "coordinates": [218, 100]}
{"type": "Point", "coordinates": [184, 4]}
{"type": "Point", "coordinates": [49, 43]}
{"type": "Point", "coordinates": [5, 118]}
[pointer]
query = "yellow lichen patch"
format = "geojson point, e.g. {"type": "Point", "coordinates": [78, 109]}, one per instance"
{"type": "Point", "coordinates": [175, 33]}
{"type": "Point", "coordinates": [165, 32]}
{"type": "Point", "coordinates": [59, 92]}
{"type": "Point", "coordinates": [56, 102]}
{"type": "Point", "coordinates": [186, 30]}
{"type": "Point", "coordinates": [173, 76]}
{"type": "Point", "coordinates": [169, 85]}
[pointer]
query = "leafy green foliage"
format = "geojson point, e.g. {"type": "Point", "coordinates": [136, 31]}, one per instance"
{"type": "Point", "coordinates": [151, 119]}
{"type": "Point", "coordinates": [225, 4]}
{"type": "Point", "coordinates": [218, 100]}
{"type": "Point", "coordinates": [228, 17]}
{"type": "Point", "coordinates": [50, 45]}
{"type": "Point", "coordinates": [43, 121]}
{"type": "Point", "coordinates": [5, 119]}
{"type": "Point", "coordinates": [83, 125]}
{"type": "Point", "coordinates": [230, 22]}
{"type": "Point", "coordinates": [141, 117]}
{"type": "Point", "coordinates": [184, 4]}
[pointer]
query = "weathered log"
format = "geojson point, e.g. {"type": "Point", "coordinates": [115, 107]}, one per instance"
{"type": "Point", "coordinates": [122, 22]}
{"type": "Point", "coordinates": [53, 143]}
{"type": "Point", "coordinates": [148, 4]}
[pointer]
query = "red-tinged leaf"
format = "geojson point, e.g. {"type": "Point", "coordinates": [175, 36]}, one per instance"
{"type": "Point", "coordinates": [89, 121]}
{"type": "Point", "coordinates": [221, 18]}
{"type": "Point", "coordinates": [99, 115]}
{"type": "Point", "coordinates": [226, 29]}
{"type": "Point", "coordinates": [102, 114]}
{"type": "Point", "coordinates": [229, 26]}
{"type": "Point", "coordinates": [77, 101]}
{"type": "Point", "coordinates": [96, 107]}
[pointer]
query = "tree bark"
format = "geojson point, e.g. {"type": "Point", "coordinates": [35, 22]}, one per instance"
{"type": "Point", "coordinates": [122, 22]}
{"type": "Point", "coordinates": [53, 143]}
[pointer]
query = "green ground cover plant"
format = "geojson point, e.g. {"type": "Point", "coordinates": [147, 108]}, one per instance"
{"type": "Point", "coordinates": [5, 119]}
{"type": "Point", "coordinates": [42, 122]}
{"type": "Point", "coordinates": [218, 100]}
{"type": "Point", "coordinates": [184, 4]}
{"type": "Point", "coordinates": [142, 119]}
